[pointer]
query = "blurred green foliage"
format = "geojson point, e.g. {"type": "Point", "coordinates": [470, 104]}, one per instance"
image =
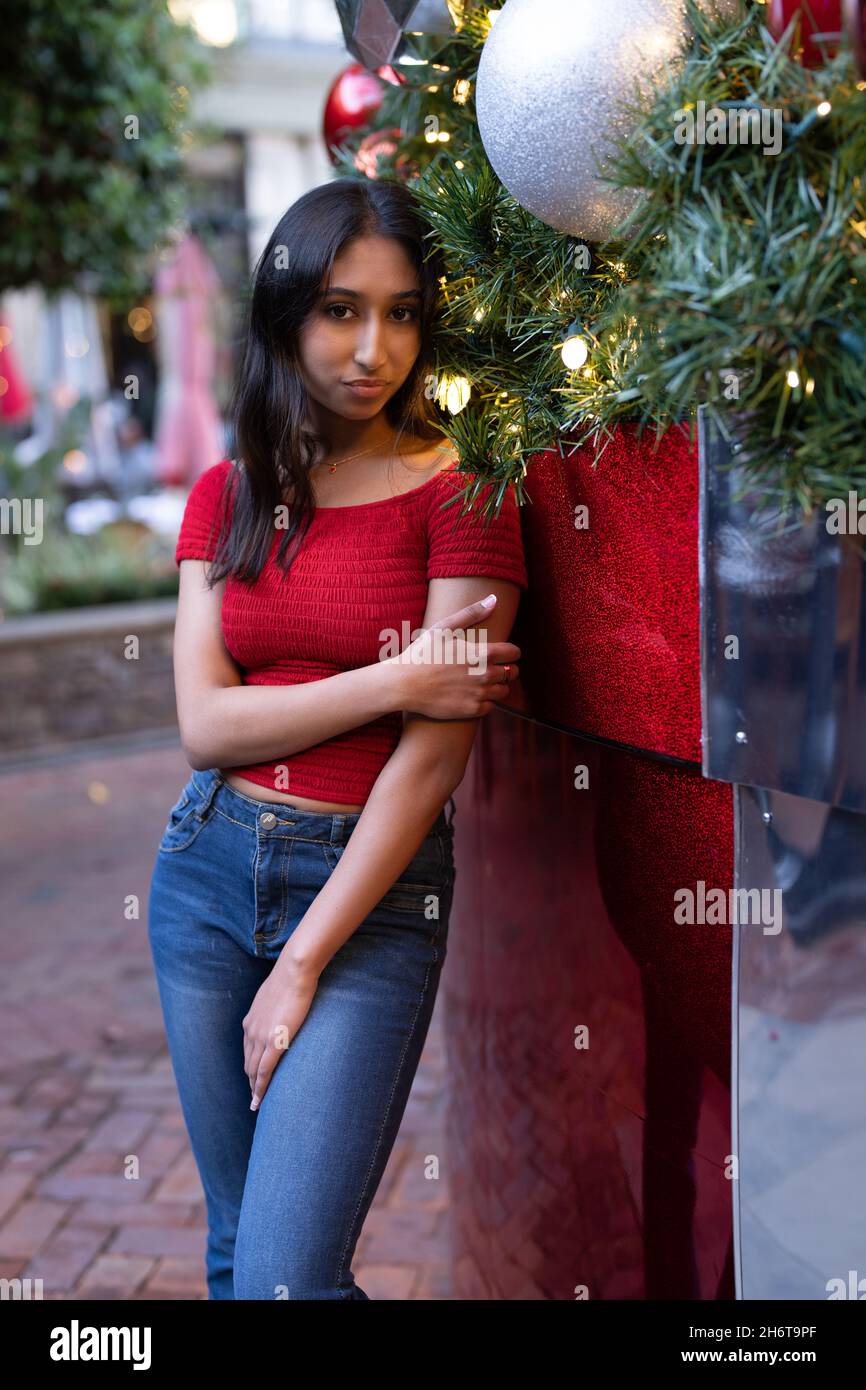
{"type": "Point", "coordinates": [42, 477]}
{"type": "Point", "coordinates": [120, 563]}
{"type": "Point", "coordinates": [93, 99]}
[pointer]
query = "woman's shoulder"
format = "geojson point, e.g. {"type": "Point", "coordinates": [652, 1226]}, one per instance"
{"type": "Point", "coordinates": [451, 478]}
{"type": "Point", "coordinates": [441, 464]}
{"type": "Point", "coordinates": [210, 484]}
{"type": "Point", "coordinates": [216, 474]}
{"type": "Point", "coordinates": [428, 458]}
{"type": "Point", "coordinates": [203, 511]}
{"type": "Point", "coordinates": [463, 537]}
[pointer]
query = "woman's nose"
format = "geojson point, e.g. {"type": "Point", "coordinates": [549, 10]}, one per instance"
{"type": "Point", "coordinates": [370, 345]}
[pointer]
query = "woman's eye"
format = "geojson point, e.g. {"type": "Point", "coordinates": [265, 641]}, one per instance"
{"type": "Point", "coordinates": [398, 309]}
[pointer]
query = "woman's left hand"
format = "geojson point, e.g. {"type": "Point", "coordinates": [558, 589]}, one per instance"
{"type": "Point", "coordinates": [279, 1008]}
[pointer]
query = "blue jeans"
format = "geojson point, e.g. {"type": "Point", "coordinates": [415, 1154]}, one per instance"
{"type": "Point", "coordinates": [288, 1187]}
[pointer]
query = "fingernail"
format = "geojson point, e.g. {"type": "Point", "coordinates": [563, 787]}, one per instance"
{"type": "Point", "coordinates": [254, 1103]}
{"type": "Point", "coordinates": [489, 601]}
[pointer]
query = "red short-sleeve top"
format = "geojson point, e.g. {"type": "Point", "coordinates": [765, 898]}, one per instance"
{"type": "Point", "coordinates": [360, 570]}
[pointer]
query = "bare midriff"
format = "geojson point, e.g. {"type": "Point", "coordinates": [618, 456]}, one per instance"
{"type": "Point", "coordinates": [301, 803]}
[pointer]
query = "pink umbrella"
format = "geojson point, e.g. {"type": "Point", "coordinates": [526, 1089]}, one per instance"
{"type": "Point", "coordinates": [188, 431]}
{"type": "Point", "coordinates": [16, 402]}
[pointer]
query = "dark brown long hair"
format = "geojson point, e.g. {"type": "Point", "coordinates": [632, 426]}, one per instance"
{"type": "Point", "coordinates": [272, 447]}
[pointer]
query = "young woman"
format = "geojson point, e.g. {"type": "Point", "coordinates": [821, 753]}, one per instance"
{"type": "Point", "coordinates": [300, 898]}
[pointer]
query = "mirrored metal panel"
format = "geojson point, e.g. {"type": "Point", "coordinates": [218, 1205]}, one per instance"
{"type": "Point", "coordinates": [783, 641]}
{"type": "Point", "coordinates": [799, 1079]}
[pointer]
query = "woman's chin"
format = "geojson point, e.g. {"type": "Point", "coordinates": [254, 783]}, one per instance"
{"type": "Point", "coordinates": [353, 407]}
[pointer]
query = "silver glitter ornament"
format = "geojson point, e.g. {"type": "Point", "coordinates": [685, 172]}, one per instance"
{"type": "Point", "coordinates": [554, 82]}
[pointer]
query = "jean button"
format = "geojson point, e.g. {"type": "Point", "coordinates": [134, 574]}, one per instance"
{"type": "Point", "coordinates": [268, 820]}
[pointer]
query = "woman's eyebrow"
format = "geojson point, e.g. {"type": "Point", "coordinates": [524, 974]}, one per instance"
{"type": "Point", "coordinates": [356, 294]}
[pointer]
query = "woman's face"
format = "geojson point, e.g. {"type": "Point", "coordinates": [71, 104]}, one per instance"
{"type": "Point", "coordinates": [365, 329]}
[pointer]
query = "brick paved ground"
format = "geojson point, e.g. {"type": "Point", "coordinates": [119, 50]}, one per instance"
{"type": "Point", "coordinates": [85, 1078]}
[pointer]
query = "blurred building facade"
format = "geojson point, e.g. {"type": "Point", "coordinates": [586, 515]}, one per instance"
{"type": "Point", "coordinates": [267, 97]}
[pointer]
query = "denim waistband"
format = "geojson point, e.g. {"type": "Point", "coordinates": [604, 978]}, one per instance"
{"type": "Point", "coordinates": [334, 827]}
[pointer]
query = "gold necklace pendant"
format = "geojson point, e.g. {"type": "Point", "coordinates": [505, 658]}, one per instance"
{"type": "Point", "coordinates": [332, 467]}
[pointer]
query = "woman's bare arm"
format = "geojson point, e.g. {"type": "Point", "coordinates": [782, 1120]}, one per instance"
{"type": "Point", "coordinates": [410, 791]}
{"type": "Point", "coordinates": [224, 723]}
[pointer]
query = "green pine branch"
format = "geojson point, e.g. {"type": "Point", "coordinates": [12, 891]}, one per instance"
{"type": "Point", "coordinates": [737, 281]}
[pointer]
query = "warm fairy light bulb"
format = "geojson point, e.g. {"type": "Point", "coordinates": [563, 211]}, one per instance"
{"type": "Point", "coordinates": [810, 385]}
{"type": "Point", "coordinates": [453, 393]}
{"type": "Point", "coordinates": [793, 379]}
{"type": "Point", "coordinates": [574, 352]}
{"type": "Point", "coordinates": [824, 109]}
{"type": "Point", "coordinates": [574, 349]}
{"type": "Point", "coordinates": [461, 90]}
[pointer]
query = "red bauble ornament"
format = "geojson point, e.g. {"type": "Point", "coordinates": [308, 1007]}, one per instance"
{"type": "Point", "coordinates": [816, 17]}
{"type": "Point", "coordinates": [354, 98]}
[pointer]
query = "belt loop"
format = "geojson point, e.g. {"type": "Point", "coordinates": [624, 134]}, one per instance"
{"type": "Point", "coordinates": [449, 820]}
{"type": "Point", "coordinates": [338, 820]}
{"type": "Point", "coordinates": [208, 796]}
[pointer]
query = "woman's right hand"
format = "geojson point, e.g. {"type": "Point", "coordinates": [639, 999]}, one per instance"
{"type": "Point", "coordinates": [456, 682]}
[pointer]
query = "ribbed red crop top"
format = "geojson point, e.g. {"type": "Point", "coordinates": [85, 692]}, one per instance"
{"type": "Point", "coordinates": [359, 569]}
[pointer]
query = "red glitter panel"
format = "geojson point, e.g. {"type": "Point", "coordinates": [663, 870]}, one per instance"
{"type": "Point", "coordinates": [609, 629]}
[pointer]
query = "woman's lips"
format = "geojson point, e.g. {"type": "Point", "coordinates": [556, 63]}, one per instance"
{"type": "Point", "coordinates": [365, 388]}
